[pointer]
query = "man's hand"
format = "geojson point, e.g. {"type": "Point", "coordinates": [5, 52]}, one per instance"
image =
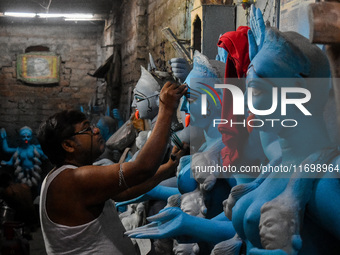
{"type": "Point", "coordinates": [177, 153]}
{"type": "Point", "coordinates": [170, 95]}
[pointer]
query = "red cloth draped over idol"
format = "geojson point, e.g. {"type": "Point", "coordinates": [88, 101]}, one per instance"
{"type": "Point", "coordinates": [236, 44]}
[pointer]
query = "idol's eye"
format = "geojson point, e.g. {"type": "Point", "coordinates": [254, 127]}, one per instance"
{"type": "Point", "coordinates": [269, 224]}
{"type": "Point", "coordinates": [139, 99]}
{"type": "Point", "coordinates": [191, 99]}
{"type": "Point", "coordinates": [256, 92]}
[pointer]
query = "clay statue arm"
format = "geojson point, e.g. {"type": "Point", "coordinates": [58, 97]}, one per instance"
{"type": "Point", "coordinates": [256, 251]}
{"type": "Point", "coordinates": [173, 222]}
{"type": "Point", "coordinates": [159, 192]}
{"type": "Point", "coordinates": [220, 217]}
{"type": "Point", "coordinates": [11, 161]}
{"type": "Point", "coordinates": [117, 116]}
{"type": "Point", "coordinates": [5, 146]}
{"type": "Point", "coordinates": [39, 152]}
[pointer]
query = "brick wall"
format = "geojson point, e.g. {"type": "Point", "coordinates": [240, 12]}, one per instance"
{"type": "Point", "coordinates": [80, 51]}
{"type": "Point", "coordinates": [141, 22]}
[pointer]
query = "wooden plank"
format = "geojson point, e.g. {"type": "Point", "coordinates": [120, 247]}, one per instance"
{"type": "Point", "coordinates": [324, 19]}
{"type": "Point", "coordinates": [169, 35]}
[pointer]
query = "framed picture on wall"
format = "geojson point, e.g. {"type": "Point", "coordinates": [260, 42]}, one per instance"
{"type": "Point", "coordinates": [38, 68]}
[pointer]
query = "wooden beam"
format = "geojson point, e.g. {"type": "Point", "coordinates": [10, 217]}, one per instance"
{"type": "Point", "coordinates": [176, 44]}
{"type": "Point", "coordinates": [324, 20]}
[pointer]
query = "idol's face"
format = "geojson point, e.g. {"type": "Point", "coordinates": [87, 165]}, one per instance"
{"type": "Point", "coordinates": [274, 100]}
{"type": "Point", "coordinates": [192, 102]}
{"type": "Point", "coordinates": [275, 230]}
{"type": "Point", "coordinates": [147, 105]}
{"type": "Point", "coordinates": [146, 96]}
{"type": "Point", "coordinates": [26, 135]}
{"type": "Point", "coordinates": [260, 91]}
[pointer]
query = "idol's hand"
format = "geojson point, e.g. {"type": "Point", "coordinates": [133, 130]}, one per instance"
{"type": "Point", "coordinates": [116, 115]}
{"type": "Point", "coordinates": [170, 222]}
{"type": "Point", "coordinates": [3, 133]}
{"type": "Point", "coordinates": [256, 34]}
{"type": "Point", "coordinates": [180, 68]}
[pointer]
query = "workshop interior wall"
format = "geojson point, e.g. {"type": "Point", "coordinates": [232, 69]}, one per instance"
{"type": "Point", "coordinates": [23, 104]}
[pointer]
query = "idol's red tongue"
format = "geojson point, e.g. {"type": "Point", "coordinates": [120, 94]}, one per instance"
{"type": "Point", "coordinates": [137, 114]}
{"type": "Point", "coordinates": [250, 117]}
{"type": "Point", "coordinates": [187, 119]}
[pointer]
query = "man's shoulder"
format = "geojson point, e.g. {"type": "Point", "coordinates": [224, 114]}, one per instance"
{"type": "Point", "coordinates": [62, 177]}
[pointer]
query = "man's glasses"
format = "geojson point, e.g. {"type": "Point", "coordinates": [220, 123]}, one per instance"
{"type": "Point", "coordinates": [90, 130]}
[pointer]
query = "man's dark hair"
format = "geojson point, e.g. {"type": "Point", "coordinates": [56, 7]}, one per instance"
{"type": "Point", "coordinates": [55, 130]}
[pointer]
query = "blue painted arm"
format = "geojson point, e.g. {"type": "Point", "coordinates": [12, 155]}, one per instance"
{"type": "Point", "coordinates": [5, 146]}
{"type": "Point", "coordinates": [40, 152]}
{"type": "Point", "coordinates": [173, 222]}
{"type": "Point", "coordinates": [157, 193]}
{"type": "Point", "coordinates": [256, 251]}
{"type": "Point", "coordinates": [117, 116]}
{"type": "Point", "coordinates": [9, 162]}
{"type": "Point", "coordinates": [220, 217]}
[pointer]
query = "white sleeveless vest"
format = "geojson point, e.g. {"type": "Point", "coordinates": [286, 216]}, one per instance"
{"type": "Point", "coordinates": [104, 235]}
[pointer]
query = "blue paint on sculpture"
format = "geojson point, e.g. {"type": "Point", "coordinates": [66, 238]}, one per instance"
{"type": "Point", "coordinates": [107, 126]}
{"type": "Point", "coordinates": [269, 214]}
{"type": "Point", "coordinates": [146, 95]}
{"type": "Point", "coordinates": [173, 221]}
{"type": "Point", "coordinates": [272, 218]}
{"type": "Point", "coordinates": [118, 117]}
{"type": "Point", "coordinates": [26, 158]}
